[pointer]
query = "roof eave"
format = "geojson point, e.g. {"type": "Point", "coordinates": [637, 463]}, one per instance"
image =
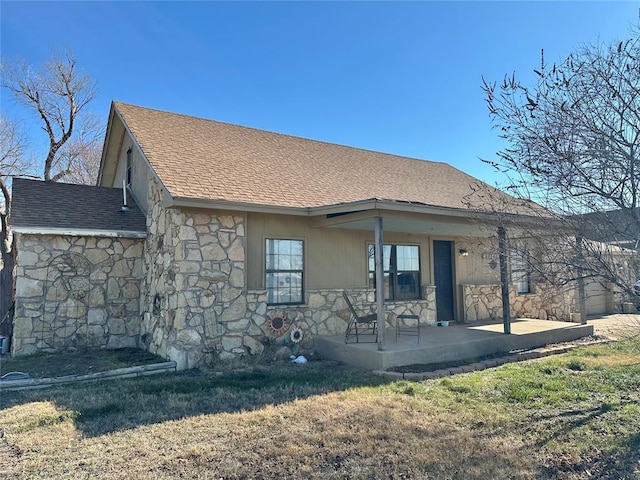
{"type": "Point", "coordinates": [214, 204]}
{"type": "Point", "coordinates": [349, 207]}
{"type": "Point", "coordinates": [79, 232]}
{"type": "Point", "coordinates": [105, 143]}
{"type": "Point", "coordinates": [390, 205]}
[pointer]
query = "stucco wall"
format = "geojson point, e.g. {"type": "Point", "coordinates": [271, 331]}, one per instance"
{"type": "Point", "coordinates": [75, 292]}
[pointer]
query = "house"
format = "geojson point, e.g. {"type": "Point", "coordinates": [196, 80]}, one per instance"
{"type": "Point", "coordinates": [612, 265]}
{"type": "Point", "coordinates": [248, 234]}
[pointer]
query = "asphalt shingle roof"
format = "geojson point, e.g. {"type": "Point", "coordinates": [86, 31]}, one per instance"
{"type": "Point", "coordinates": [610, 226]}
{"type": "Point", "coordinates": [66, 206]}
{"type": "Point", "coordinates": [205, 159]}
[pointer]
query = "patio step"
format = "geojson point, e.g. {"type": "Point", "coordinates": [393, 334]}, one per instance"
{"type": "Point", "coordinates": [483, 365]}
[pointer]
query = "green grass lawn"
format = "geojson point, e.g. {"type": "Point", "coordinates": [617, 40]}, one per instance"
{"type": "Point", "coordinates": [572, 416]}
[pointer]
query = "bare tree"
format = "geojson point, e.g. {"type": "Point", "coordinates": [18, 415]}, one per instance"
{"type": "Point", "coordinates": [58, 94]}
{"type": "Point", "coordinates": [12, 146]}
{"type": "Point", "coordinates": [12, 162]}
{"type": "Point", "coordinates": [80, 156]}
{"type": "Point", "coordinates": [574, 138]}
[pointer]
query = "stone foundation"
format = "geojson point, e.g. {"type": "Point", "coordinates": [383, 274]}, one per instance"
{"type": "Point", "coordinates": [76, 292]}
{"type": "Point", "coordinates": [484, 302]}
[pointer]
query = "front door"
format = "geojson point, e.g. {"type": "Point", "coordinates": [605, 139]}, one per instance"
{"type": "Point", "coordinates": [443, 279]}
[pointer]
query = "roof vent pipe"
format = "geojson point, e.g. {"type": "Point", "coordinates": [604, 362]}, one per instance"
{"type": "Point", "coordinates": [124, 207]}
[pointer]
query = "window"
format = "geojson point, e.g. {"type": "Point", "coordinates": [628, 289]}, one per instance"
{"type": "Point", "coordinates": [521, 270]}
{"type": "Point", "coordinates": [401, 266]}
{"type": "Point", "coordinates": [284, 271]}
{"type": "Point", "coordinates": [129, 167]}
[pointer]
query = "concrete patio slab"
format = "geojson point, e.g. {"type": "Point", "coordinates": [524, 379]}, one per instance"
{"type": "Point", "coordinates": [616, 325]}
{"type": "Point", "coordinates": [457, 342]}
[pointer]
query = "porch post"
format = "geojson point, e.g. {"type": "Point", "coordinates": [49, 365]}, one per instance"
{"type": "Point", "coordinates": [379, 245]}
{"type": "Point", "coordinates": [503, 252]}
{"type": "Point", "coordinates": [582, 297]}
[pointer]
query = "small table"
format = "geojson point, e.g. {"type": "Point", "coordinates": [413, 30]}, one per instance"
{"type": "Point", "coordinates": [408, 330]}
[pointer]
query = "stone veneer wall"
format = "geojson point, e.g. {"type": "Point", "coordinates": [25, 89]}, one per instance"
{"type": "Point", "coordinates": [324, 313]}
{"type": "Point", "coordinates": [484, 302]}
{"type": "Point", "coordinates": [76, 291]}
{"type": "Point", "coordinates": [196, 306]}
{"type": "Point", "coordinates": [194, 280]}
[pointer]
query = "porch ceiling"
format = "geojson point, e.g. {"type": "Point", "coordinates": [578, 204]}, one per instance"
{"type": "Point", "coordinates": [408, 223]}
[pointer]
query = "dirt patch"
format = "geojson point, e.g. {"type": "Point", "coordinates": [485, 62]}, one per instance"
{"type": "Point", "coordinates": [58, 364]}
{"type": "Point", "coordinates": [431, 367]}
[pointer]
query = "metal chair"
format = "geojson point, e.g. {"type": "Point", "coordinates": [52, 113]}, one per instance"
{"type": "Point", "coordinates": [412, 330]}
{"type": "Point", "coordinates": [360, 324]}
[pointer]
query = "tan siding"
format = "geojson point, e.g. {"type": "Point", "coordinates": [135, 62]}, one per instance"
{"type": "Point", "coordinates": [140, 172]}
{"type": "Point", "coordinates": [474, 268]}
{"type": "Point", "coordinates": [337, 258]}
{"type": "Point", "coordinates": [141, 176]}
{"type": "Point", "coordinates": [334, 257]}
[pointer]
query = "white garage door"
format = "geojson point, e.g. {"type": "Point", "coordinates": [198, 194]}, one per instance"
{"type": "Point", "coordinates": [596, 297]}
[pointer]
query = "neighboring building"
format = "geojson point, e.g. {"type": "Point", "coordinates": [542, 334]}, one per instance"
{"type": "Point", "coordinates": [614, 227]}
{"type": "Point", "coordinates": [241, 225]}
{"type": "Point", "coordinates": [611, 265]}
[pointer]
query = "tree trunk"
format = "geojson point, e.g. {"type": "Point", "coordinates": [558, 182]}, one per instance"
{"type": "Point", "coordinates": [6, 282]}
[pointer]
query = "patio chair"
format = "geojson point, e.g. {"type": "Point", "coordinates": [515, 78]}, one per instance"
{"type": "Point", "coordinates": [360, 324]}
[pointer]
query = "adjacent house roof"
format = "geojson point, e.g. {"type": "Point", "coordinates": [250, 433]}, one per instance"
{"type": "Point", "coordinates": [63, 208]}
{"type": "Point", "coordinates": [195, 158]}
{"type": "Point", "coordinates": [620, 227]}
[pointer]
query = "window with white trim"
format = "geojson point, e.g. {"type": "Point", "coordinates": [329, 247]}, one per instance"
{"type": "Point", "coordinates": [284, 261]}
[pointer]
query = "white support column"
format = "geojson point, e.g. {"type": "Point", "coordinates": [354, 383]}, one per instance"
{"type": "Point", "coordinates": [379, 245]}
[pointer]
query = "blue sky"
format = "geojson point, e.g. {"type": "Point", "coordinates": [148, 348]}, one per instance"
{"type": "Point", "coordinates": [398, 77]}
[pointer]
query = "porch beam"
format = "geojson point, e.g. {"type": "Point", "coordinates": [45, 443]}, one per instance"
{"type": "Point", "coordinates": [379, 245]}
{"type": "Point", "coordinates": [503, 252]}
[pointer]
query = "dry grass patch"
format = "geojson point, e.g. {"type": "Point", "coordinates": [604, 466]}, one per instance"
{"type": "Point", "coordinates": [334, 435]}
{"type": "Point", "coordinates": [573, 416]}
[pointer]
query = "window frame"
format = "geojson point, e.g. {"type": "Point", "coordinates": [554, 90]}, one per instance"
{"type": "Point", "coordinates": [129, 168]}
{"type": "Point", "coordinates": [394, 274]}
{"type": "Point", "coordinates": [268, 270]}
{"type": "Point", "coordinates": [520, 263]}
